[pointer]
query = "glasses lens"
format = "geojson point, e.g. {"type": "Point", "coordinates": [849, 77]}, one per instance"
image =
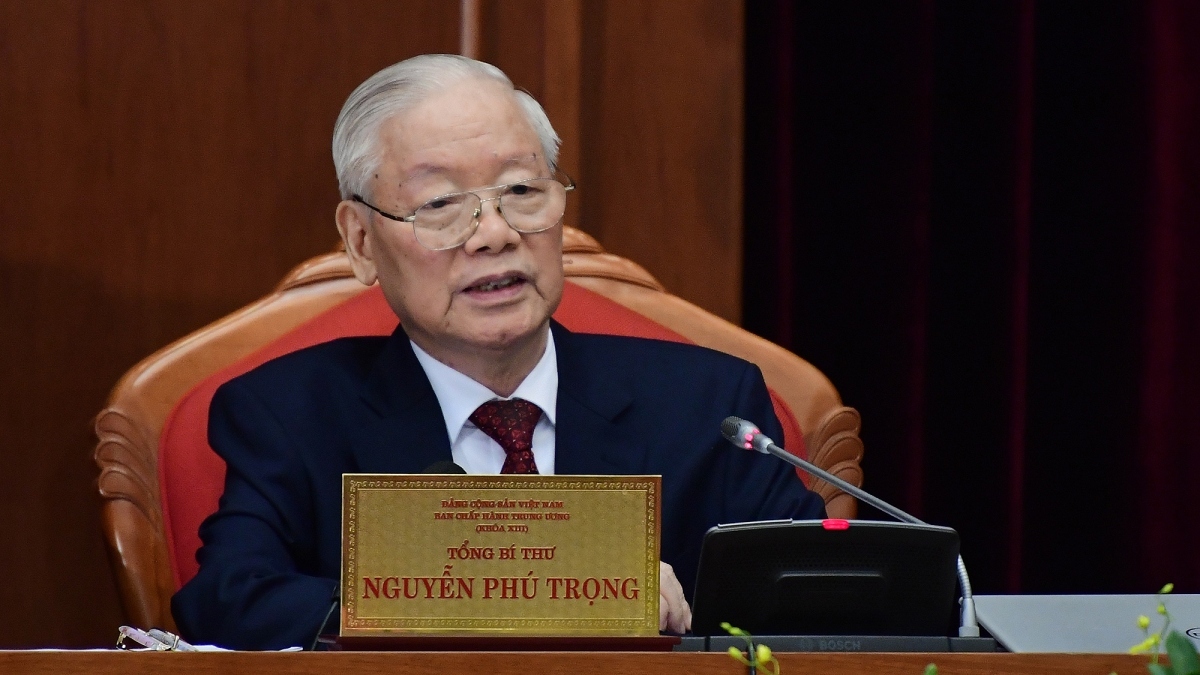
{"type": "Point", "coordinates": [534, 205]}
{"type": "Point", "coordinates": [529, 206]}
{"type": "Point", "coordinates": [446, 221]}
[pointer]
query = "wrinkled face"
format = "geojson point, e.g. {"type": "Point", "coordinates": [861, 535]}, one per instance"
{"type": "Point", "coordinates": [497, 291]}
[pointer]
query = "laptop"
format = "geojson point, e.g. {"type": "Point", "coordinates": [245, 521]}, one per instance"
{"type": "Point", "coordinates": [1095, 624]}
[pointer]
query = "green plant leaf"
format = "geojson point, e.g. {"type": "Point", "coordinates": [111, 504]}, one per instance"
{"type": "Point", "coordinates": [1184, 660]}
{"type": "Point", "coordinates": [1158, 669]}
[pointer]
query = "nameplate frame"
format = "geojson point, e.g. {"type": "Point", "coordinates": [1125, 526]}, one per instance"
{"type": "Point", "coordinates": [500, 555]}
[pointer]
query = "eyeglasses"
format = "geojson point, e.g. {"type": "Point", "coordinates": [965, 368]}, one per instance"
{"type": "Point", "coordinates": [448, 221]}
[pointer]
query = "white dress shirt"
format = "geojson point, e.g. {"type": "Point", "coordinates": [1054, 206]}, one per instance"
{"type": "Point", "coordinates": [459, 396]}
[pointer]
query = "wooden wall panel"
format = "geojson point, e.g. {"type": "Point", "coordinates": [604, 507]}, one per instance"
{"type": "Point", "coordinates": [161, 164]}
{"type": "Point", "coordinates": [648, 98]}
{"type": "Point", "coordinates": [662, 141]}
{"type": "Point", "coordinates": [164, 162]}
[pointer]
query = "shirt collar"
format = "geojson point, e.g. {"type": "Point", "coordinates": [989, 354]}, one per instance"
{"type": "Point", "coordinates": [459, 395]}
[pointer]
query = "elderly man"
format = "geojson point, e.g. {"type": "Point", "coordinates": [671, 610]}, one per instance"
{"type": "Point", "coordinates": [451, 202]}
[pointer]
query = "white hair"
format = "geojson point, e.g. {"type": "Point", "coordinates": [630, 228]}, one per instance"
{"type": "Point", "coordinates": [400, 87]}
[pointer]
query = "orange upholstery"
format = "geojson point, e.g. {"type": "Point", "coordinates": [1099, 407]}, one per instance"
{"type": "Point", "coordinates": [159, 479]}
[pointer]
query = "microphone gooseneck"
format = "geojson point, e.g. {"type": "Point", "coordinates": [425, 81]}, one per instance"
{"type": "Point", "coordinates": [746, 435]}
{"type": "Point", "coordinates": [336, 600]}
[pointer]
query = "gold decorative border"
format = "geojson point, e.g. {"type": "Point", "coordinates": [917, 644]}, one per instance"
{"type": "Point", "coordinates": [353, 482]}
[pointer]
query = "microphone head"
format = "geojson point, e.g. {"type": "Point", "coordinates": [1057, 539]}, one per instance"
{"type": "Point", "coordinates": [741, 433]}
{"type": "Point", "coordinates": [444, 467]}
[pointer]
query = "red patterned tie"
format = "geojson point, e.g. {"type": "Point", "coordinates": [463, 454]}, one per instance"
{"type": "Point", "coordinates": [510, 423]}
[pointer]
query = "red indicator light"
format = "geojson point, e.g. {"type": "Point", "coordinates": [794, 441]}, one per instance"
{"type": "Point", "coordinates": [835, 524]}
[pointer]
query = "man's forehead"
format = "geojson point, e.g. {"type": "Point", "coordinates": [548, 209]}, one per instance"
{"type": "Point", "coordinates": [461, 110]}
{"type": "Point", "coordinates": [464, 129]}
{"type": "Point", "coordinates": [530, 160]}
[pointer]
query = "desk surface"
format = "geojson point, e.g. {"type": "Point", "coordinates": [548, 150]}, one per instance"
{"type": "Point", "coordinates": [524, 663]}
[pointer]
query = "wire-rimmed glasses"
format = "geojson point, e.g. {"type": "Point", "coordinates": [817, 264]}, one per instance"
{"type": "Point", "coordinates": [448, 221]}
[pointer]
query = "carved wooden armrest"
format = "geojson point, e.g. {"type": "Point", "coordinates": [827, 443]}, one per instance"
{"type": "Point", "coordinates": [133, 519]}
{"type": "Point", "coordinates": [835, 446]}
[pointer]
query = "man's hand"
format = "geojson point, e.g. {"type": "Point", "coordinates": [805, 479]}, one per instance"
{"type": "Point", "coordinates": [674, 615]}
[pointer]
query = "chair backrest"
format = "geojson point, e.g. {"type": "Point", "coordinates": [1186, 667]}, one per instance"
{"type": "Point", "coordinates": [159, 479]}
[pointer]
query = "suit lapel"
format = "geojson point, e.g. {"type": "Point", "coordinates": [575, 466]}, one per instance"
{"type": "Point", "coordinates": [589, 439]}
{"type": "Point", "coordinates": [408, 430]}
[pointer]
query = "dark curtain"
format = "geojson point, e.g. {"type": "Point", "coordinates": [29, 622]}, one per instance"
{"type": "Point", "coordinates": [982, 221]}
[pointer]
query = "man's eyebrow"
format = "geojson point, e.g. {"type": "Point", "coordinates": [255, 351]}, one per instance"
{"type": "Point", "coordinates": [424, 169]}
{"type": "Point", "coordinates": [520, 159]}
{"type": "Point", "coordinates": [427, 169]}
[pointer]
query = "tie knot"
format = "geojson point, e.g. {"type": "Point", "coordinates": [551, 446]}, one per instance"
{"type": "Point", "coordinates": [510, 423]}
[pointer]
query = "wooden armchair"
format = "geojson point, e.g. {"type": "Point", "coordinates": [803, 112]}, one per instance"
{"type": "Point", "coordinates": [158, 478]}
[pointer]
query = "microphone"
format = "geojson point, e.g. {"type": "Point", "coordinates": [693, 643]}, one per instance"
{"type": "Point", "coordinates": [746, 435]}
{"type": "Point", "coordinates": [444, 467]}
{"type": "Point", "coordinates": [336, 600]}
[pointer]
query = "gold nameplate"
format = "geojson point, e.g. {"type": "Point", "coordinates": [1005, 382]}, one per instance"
{"type": "Point", "coordinates": [525, 555]}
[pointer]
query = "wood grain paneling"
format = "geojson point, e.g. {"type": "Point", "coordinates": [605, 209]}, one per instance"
{"type": "Point", "coordinates": [161, 164]}
{"type": "Point", "coordinates": [648, 98]}
{"type": "Point", "coordinates": [662, 114]}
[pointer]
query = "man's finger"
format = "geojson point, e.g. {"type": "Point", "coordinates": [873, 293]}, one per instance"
{"type": "Point", "coordinates": [674, 614]}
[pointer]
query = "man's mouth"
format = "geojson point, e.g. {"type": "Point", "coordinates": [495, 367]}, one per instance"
{"type": "Point", "coordinates": [492, 284]}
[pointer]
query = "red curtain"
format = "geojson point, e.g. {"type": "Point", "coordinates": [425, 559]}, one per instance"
{"type": "Point", "coordinates": [982, 221]}
{"type": "Point", "coordinates": [1169, 442]}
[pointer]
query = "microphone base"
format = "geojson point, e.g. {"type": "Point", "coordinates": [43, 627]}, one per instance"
{"type": "Point", "coordinates": [843, 643]}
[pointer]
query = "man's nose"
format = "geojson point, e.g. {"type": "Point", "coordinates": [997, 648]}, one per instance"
{"type": "Point", "coordinates": [493, 232]}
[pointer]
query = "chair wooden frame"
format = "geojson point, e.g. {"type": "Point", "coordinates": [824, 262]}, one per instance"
{"type": "Point", "coordinates": [129, 427]}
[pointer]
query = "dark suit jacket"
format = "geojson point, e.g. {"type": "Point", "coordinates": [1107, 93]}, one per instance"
{"type": "Point", "coordinates": [289, 429]}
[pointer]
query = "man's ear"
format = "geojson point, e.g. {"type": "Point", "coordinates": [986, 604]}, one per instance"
{"type": "Point", "coordinates": [352, 224]}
